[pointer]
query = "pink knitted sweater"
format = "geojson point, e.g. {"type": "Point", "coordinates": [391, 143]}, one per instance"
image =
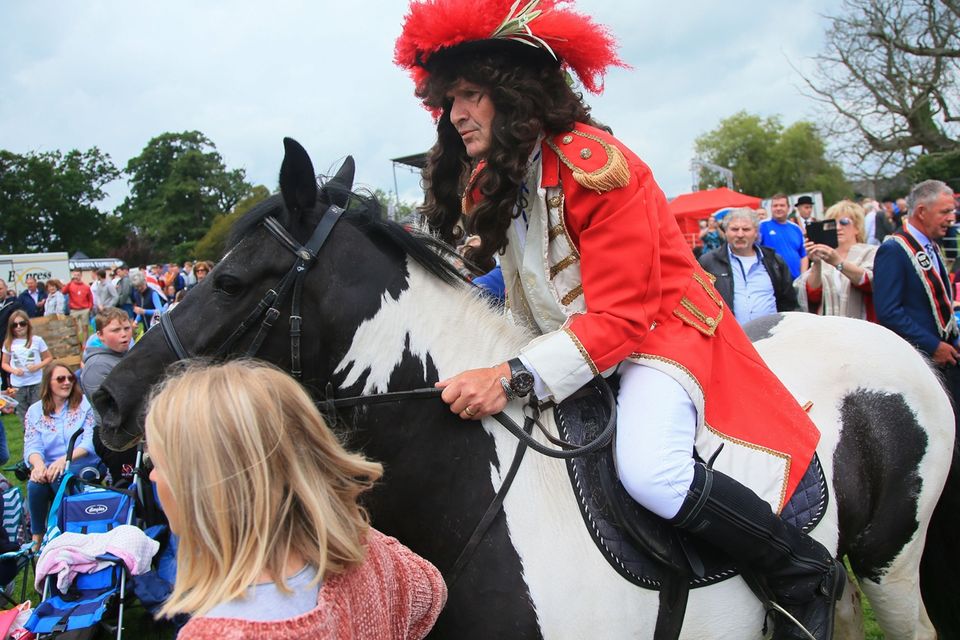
{"type": "Point", "coordinates": [394, 595]}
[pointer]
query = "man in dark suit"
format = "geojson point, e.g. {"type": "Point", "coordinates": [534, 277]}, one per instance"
{"type": "Point", "coordinates": [32, 298]}
{"type": "Point", "coordinates": [912, 296]}
{"type": "Point", "coordinates": [911, 292]}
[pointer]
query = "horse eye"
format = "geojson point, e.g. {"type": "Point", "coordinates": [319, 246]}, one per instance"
{"type": "Point", "coordinates": [228, 285]}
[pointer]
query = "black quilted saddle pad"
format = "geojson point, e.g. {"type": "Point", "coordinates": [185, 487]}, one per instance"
{"type": "Point", "coordinates": [602, 499]}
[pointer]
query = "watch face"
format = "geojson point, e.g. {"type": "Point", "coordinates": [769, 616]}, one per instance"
{"type": "Point", "coordinates": [522, 383]}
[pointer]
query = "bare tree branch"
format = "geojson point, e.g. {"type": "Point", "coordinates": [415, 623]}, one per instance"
{"type": "Point", "coordinates": [888, 81]}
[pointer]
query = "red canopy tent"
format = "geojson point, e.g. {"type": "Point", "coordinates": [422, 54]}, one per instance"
{"type": "Point", "coordinates": [690, 208]}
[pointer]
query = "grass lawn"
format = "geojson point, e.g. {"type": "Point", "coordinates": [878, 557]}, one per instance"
{"type": "Point", "coordinates": [137, 622]}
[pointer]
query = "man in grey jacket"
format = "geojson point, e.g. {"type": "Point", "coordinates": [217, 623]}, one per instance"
{"type": "Point", "coordinates": [753, 280]}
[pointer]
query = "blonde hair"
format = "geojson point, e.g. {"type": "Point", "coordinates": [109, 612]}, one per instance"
{"type": "Point", "coordinates": [852, 210]}
{"type": "Point", "coordinates": [257, 476]}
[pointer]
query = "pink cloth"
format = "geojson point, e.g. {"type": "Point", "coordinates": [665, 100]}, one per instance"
{"type": "Point", "coordinates": [71, 553]}
{"type": "Point", "coordinates": [394, 595]}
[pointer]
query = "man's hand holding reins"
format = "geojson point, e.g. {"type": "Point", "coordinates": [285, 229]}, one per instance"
{"type": "Point", "coordinates": [476, 393]}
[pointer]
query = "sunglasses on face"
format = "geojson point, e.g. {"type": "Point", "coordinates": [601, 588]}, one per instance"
{"type": "Point", "coordinates": [62, 379]}
{"type": "Point", "coordinates": [19, 323]}
{"type": "Point", "coordinates": [844, 221]}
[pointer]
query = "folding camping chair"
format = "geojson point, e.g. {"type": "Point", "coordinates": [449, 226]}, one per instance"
{"type": "Point", "coordinates": [16, 526]}
{"type": "Point", "coordinates": [83, 508]}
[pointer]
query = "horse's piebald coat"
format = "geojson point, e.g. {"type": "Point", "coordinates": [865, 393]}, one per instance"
{"type": "Point", "coordinates": [537, 573]}
{"type": "Point", "coordinates": [456, 331]}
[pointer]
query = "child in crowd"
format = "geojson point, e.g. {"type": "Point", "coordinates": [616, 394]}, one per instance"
{"type": "Point", "coordinates": [24, 357]}
{"type": "Point", "coordinates": [272, 542]}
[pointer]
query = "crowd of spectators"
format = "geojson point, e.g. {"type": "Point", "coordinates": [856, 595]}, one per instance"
{"type": "Point", "coordinates": [886, 262]}
{"type": "Point", "coordinates": [826, 279]}
{"type": "Point", "coordinates": [143, 295]}
{"type": "Point", "coordinates": [54, 399]}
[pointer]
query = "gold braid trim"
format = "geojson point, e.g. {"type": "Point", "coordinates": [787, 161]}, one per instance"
{"type": "Point", "coordinates": [555, 232]}
{"type": "Point", "coordinates": [708, 325]}
{"type": "Point", "coordinates": [788, 460]}
{"type": "Point", "coordinates": [583, 352]}
{"type": "Point", "coordinates": [613, 174]}
{"type": "Point", "coordinates": [572, 295]}
{"type": "Point", "coordinates": [560, 266]}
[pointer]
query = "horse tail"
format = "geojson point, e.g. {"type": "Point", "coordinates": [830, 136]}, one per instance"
{"type": "Point", "coordinates": [940, 563]}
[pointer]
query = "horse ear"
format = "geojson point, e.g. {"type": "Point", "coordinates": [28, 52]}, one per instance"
{"type": "Point", "coordinates": [337, 189]}
{"type": "Point", "coordinates": [298, 181]}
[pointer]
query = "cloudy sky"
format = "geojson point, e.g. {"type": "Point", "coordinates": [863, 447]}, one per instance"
{"type": "Point", "coordinates": [114, 74]}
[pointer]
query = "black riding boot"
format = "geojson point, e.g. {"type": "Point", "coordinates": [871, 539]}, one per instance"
{"type": "Point", "coordinates": [805, 579]}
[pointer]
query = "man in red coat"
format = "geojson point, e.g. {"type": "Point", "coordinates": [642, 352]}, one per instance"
{"type": "Point", "coordinates": [594, 263]}
{"type": "Point", "coordinates": [79, 299]}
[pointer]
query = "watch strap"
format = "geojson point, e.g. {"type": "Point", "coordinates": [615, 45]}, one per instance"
{"type": "Point", "coordinates": [506, 388]}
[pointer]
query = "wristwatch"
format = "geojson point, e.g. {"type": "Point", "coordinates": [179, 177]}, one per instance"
{"type": "Point", "coordinates": [520, 383]}
{"type": "Point", "coordinates": [840, 266]}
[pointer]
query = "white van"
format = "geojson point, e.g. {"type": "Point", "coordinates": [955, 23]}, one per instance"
{"type": "Point", "coordinates": [15, 267]}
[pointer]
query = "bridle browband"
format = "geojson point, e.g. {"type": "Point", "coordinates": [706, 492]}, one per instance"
{"type": "Point", "coordinates": [268, 310]}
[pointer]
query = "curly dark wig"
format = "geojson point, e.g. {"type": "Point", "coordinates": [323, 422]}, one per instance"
{"type": "Point", "coordinates": [529, 98]}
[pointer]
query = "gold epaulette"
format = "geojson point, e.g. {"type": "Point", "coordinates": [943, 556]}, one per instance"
{"type": "Point", "coordinates": [595, 163]}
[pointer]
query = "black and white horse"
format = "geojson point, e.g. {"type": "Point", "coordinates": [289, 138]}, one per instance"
{"type": "Point", "coordinates": [382, 312]}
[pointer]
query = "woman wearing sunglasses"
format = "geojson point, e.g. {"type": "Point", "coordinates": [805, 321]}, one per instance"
{"type": "Point", "coordinates": [24, 357]}
{"type": "Point", "coordinates": [61, 411]}
{"type": "Point", "coordinates": [839, 281]}
{"type": "Point", "coordinates": [202, 270]}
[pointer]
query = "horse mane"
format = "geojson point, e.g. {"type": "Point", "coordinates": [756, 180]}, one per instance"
{"type": "Point", "coordinates": [364, 212]}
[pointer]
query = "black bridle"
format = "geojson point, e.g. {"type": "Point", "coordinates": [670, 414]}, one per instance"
{"type": "Point", "coordinates": [268, 310]}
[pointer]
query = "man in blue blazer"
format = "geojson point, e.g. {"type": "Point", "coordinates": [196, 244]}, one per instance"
{"type": "Point", "coordinates": [32, 298]}
{"type": "Point", "coordinates": [911, 290]}
{"type": "Point", "coordinates": [912, 296]}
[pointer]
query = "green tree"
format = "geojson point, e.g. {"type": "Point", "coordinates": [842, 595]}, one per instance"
{"type": "Point", "coordinates": [938, 166]}
{"type": "Point", "coordinates": [391, 207]}
{"type": "Point", "coordinates": [766, 158]}
{"type": "Point", "coordinates": [48, 201]}
{"type": "Point", "coordinates": [178, 185]}
{"type": "Point", "coordinates": [213, 244]}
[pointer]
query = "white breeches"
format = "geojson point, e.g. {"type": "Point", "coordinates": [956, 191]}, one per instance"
{"type": "Point", "coordinates": [656, 428]}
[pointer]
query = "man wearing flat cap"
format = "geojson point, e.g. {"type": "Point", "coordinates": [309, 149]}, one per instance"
{"type": "Point", "coordinates": [595, 265]}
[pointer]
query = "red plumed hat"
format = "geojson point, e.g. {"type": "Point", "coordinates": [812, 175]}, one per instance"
{"type": "Point", "coordinates": [573, 40]}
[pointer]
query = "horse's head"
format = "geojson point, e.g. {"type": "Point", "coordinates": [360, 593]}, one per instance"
{"type": "Point", "coordinates": [351, 274]}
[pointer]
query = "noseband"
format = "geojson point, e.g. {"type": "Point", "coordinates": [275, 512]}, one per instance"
{"type": "Point", "coordinates": [268, 309]}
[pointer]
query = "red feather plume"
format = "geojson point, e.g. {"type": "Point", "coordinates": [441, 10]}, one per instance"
{"type": "Point", "coordinates": [581, 45]}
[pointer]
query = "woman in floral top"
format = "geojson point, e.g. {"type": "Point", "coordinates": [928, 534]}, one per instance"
{"type": "Point", "coordinates": [61, 411]}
